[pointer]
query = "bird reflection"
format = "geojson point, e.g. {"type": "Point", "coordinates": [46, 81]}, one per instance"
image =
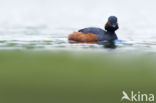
{"type": "Point", "coordinates": [108, 44]}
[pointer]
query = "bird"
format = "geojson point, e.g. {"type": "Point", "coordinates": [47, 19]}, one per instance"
{"type": "Point", "coordinates": [95, 34]}
{"type": "Point", "coordinates": [125, 96]}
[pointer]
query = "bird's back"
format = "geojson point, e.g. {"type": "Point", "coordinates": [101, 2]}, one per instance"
{"type": "Point", "coordinates": [100, 33]}
{"type": "Point", "coordinates": [93, 30]}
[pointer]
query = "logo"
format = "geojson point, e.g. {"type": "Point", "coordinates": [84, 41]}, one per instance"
{"type": "Point", "coordinates": [137, 97]}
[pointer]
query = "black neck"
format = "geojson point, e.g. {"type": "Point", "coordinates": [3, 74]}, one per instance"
{"type": "Point", "coordinates": [111, 32]}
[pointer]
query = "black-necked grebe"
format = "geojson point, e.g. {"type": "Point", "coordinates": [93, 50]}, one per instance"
{"type": "Point", "coordinates": [93, 34]}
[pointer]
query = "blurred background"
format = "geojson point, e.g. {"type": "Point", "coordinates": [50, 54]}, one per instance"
{"type": "Point", "coordinates": [38, 65]}
{"type": "Point", "coordinates": [43, 22]}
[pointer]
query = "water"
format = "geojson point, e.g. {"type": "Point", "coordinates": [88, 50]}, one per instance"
{"type": "Point", "coordinates": [31, 71]}
{"type": "Point", "coordinates": [46, 24]}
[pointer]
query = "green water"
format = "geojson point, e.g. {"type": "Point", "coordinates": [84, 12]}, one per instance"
{"type": "Point", "coordinates": [73, 76]}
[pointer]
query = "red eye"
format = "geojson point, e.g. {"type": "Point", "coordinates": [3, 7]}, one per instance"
{"type": "Point", "coordinates": [109, 23]}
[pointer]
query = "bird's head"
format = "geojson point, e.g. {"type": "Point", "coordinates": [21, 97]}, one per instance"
{"type": "Point", "coordinates": [112, 24]}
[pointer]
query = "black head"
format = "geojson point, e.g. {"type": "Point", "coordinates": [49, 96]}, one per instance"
{"type": "Point", "coordinates": [112, 24]}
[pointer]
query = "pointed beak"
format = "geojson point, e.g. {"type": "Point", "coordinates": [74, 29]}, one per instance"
{"type": "Point", "coordinates": [114, 25]}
